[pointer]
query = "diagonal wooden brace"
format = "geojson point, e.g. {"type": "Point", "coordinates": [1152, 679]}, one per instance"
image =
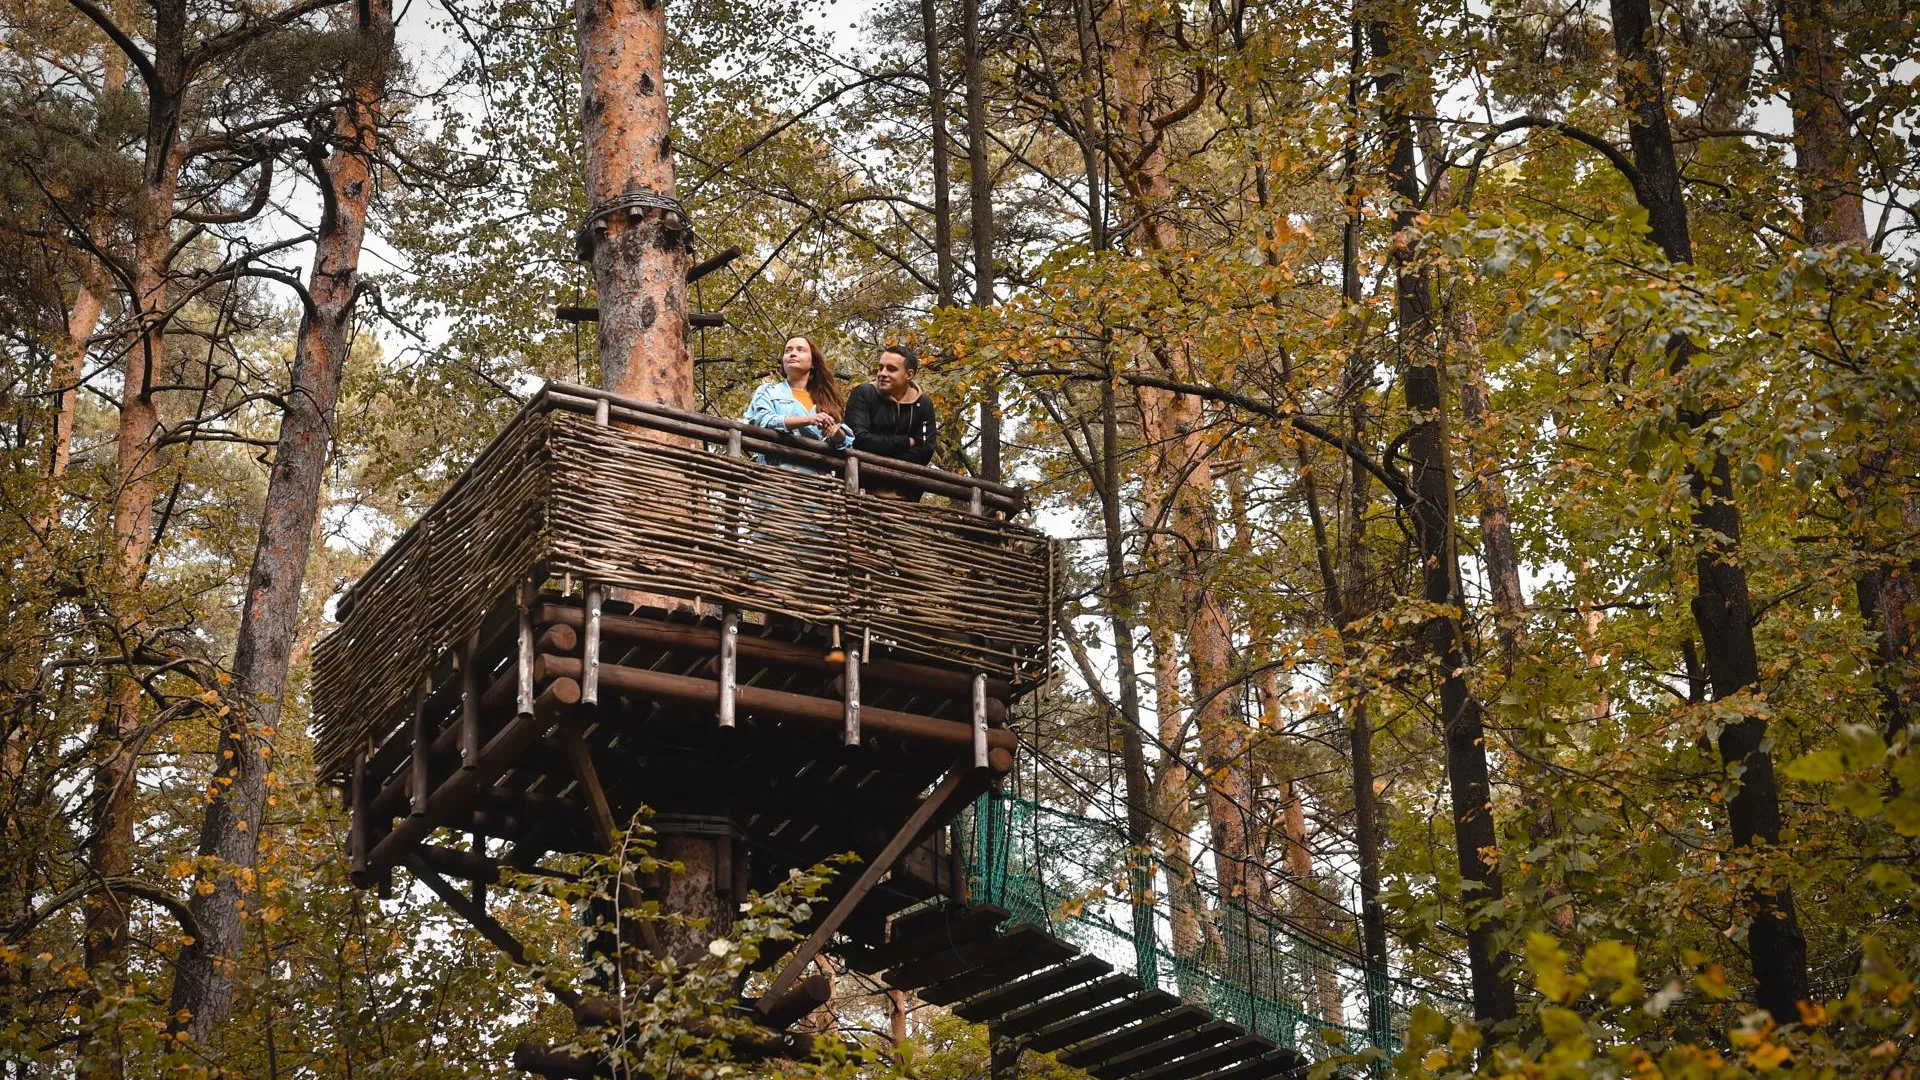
{"type": "Point", "coordinates": [910, 833]}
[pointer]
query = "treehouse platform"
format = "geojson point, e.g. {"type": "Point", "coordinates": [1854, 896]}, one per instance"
{"type": "Point", "coordinates": [623, 606]}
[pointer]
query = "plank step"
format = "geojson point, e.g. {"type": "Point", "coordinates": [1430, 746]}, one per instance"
{"type": "Point", "coordinates": [1038, 949]}
{"type": "Point", "coordinates": [994, 1004]}
{"type": "Point", "coordinates": [1101, 1021]}
{"type": "Point", "coordinates": [1209, 1061]}
{"type": "Point", "coordinates": [1153, 1030]}
{"type": "Point", "coordinates": [1072, 1003]}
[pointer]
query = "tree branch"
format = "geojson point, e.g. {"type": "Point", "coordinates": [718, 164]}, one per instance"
{"type": "Point", "coordinates": [119, 37]}
{"type": "Point", "coordinates": [1353, 450]}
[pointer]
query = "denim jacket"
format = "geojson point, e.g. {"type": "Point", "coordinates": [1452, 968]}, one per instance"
{"type": "Point", "coordinates": [773, 402]}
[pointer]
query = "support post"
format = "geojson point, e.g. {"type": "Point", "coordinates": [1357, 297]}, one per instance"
{"type": "Point", "coordinates": [976, 503]}
{"type": "Point", "coordinates": [729, 665]}
{"type": "Point", "coordinates": [420, 778]}
{"type": "Point", "coordinates": [853, 476]}
{"type": "Point", "coordinates": [853, 697]}
{"type": "Point", "coordinates": [980, 720]}
{"type": "Point", "coordinates": [470, 702]}
{"type": "Point", "coordinates": [523, 704]}
{"type": "Point", "coordinates": [357, 798]}
{"type": "Point", "coordinates": [596, 598]}
{"type": "Point", "coordinates": [601, 408]}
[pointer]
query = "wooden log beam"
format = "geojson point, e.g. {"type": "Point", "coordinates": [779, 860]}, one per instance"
{"type": "Point", "coordinates": [1072, 1003]}
{"type": "Point", "coordinates": [500, 753]}
{"type": "Point", "coordinates": [807, 995]}
{"type": "Point", "coordinates": [489, 927]}
{"type": "Point", "coordinates": [465, 865]}
{"type": "Point", "coordinates": [500, 694]}
{"type": "Point", "coordinates": [1101, 1021]}
{"type": "Point", "coordinates": [714, 262]}
{"type": "Point", "coordinates": [1206, 1062]}
{"type": "Point", "coordinates": [690, 690]}
{"type": "Point", "coordinates": [924, 817]}
{"type": "Point", "coordinates": [1176, 1046]}
{"type": "Point", "coordinates": [634, 628]}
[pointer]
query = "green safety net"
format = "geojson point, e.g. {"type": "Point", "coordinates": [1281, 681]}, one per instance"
{"type": "Point", "coordinates": [1077, 877]}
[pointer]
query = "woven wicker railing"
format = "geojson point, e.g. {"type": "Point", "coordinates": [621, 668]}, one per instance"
{"type": "Point", "coordinates": [582, 486]}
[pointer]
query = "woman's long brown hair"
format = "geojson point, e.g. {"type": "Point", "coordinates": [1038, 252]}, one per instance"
{"type": "Point", "coordinates": [820, 381]}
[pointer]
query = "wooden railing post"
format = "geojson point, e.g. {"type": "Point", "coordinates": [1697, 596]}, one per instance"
{"type": "Point", "coordinates": [523, 668]}
{"type": "Point", "coordinates": [980, 720]}
{"type": "Point", "coordinates": [729, 664]}
{"type": "Point", "coordinates": [852, 686]}
{"type": "Point", "coordinates": [470, 701]}
{"type": "Point", "coordinates": [357, 799]}
{"type": "Point", "coordinates": [853, 476]}
{"type": "Point", "coordinates": [421, 778]}
{"type": "Point", "coordinates": [595, 599]}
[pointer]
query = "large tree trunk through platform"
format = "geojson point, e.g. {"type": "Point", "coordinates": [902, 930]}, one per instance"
{"type": "Point", "coordinates": [635, 236]}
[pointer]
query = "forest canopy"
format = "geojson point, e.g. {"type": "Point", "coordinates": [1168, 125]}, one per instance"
{"type": "Point", "coordinates": [1481, 442]}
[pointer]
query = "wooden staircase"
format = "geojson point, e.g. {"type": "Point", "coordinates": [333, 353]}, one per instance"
{"type": "Point", "coordinates": [1046, 996]}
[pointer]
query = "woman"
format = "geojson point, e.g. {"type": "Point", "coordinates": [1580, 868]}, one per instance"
{"type": "Point", "coordinates": [806, 402]}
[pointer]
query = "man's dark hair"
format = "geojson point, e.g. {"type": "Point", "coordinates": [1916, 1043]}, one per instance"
{"type": "Point", "coordinates": [904, 352]}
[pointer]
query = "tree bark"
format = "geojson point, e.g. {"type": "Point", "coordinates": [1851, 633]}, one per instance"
{"type": "Point", "coordinates": [1346, 604]}
{"type": "Point", "coordinates": [1120, 616]}
{"type": "Point", "coordinates": [942, 182]}
{"type": "Point", "coordinates": [111, 812]}
{"type": "Point", "coordinates": [1172, 425]}
{"type": "Point", "coordinates": [1825, 160]}
{"type": "Point", "coordinates": [237, 792]}
{"type": "Point", "coordinates": [1827, 163]}
{"type": "Point", "coordinates": [980, 199]}
{"type": "Point", "coordinates": [1722, 607]}
{"type": "Point", "coordinates": [636, 236]}
{"type": "Point", "coordinates": [1460, 711]}
{"type": "Point", "coordinates": [1497, 553]}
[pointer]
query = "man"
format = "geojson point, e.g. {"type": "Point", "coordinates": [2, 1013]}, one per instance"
{"type": "Point", "coordinates": [891, 417]}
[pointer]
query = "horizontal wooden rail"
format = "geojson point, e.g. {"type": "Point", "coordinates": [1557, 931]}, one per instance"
{"type": "Point", "coordinates": [716, 430]}
{"type": "Point", "coordinates": [632, 628]}
{"type": "Point", "coordinates": [692, 690]}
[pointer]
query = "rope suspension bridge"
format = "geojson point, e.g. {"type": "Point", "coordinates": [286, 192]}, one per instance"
{"type": "Point", "coordinates": [617, 606]}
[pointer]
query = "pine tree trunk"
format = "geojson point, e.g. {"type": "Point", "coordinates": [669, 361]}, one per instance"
{"type": "Point", "coordinates": [637, 239]}
{"type": "Point", "coordinates": [1173, 426]}
{"type": "Point", "coordinates": [237, 792]}
{"type": "Point", "coordinates": [111, 812]}
{"type": "Point", "coordinates": [1722, 608]}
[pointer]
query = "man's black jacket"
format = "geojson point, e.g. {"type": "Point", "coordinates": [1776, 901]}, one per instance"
{"type": "Point", "coordinates": [884, 426]}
